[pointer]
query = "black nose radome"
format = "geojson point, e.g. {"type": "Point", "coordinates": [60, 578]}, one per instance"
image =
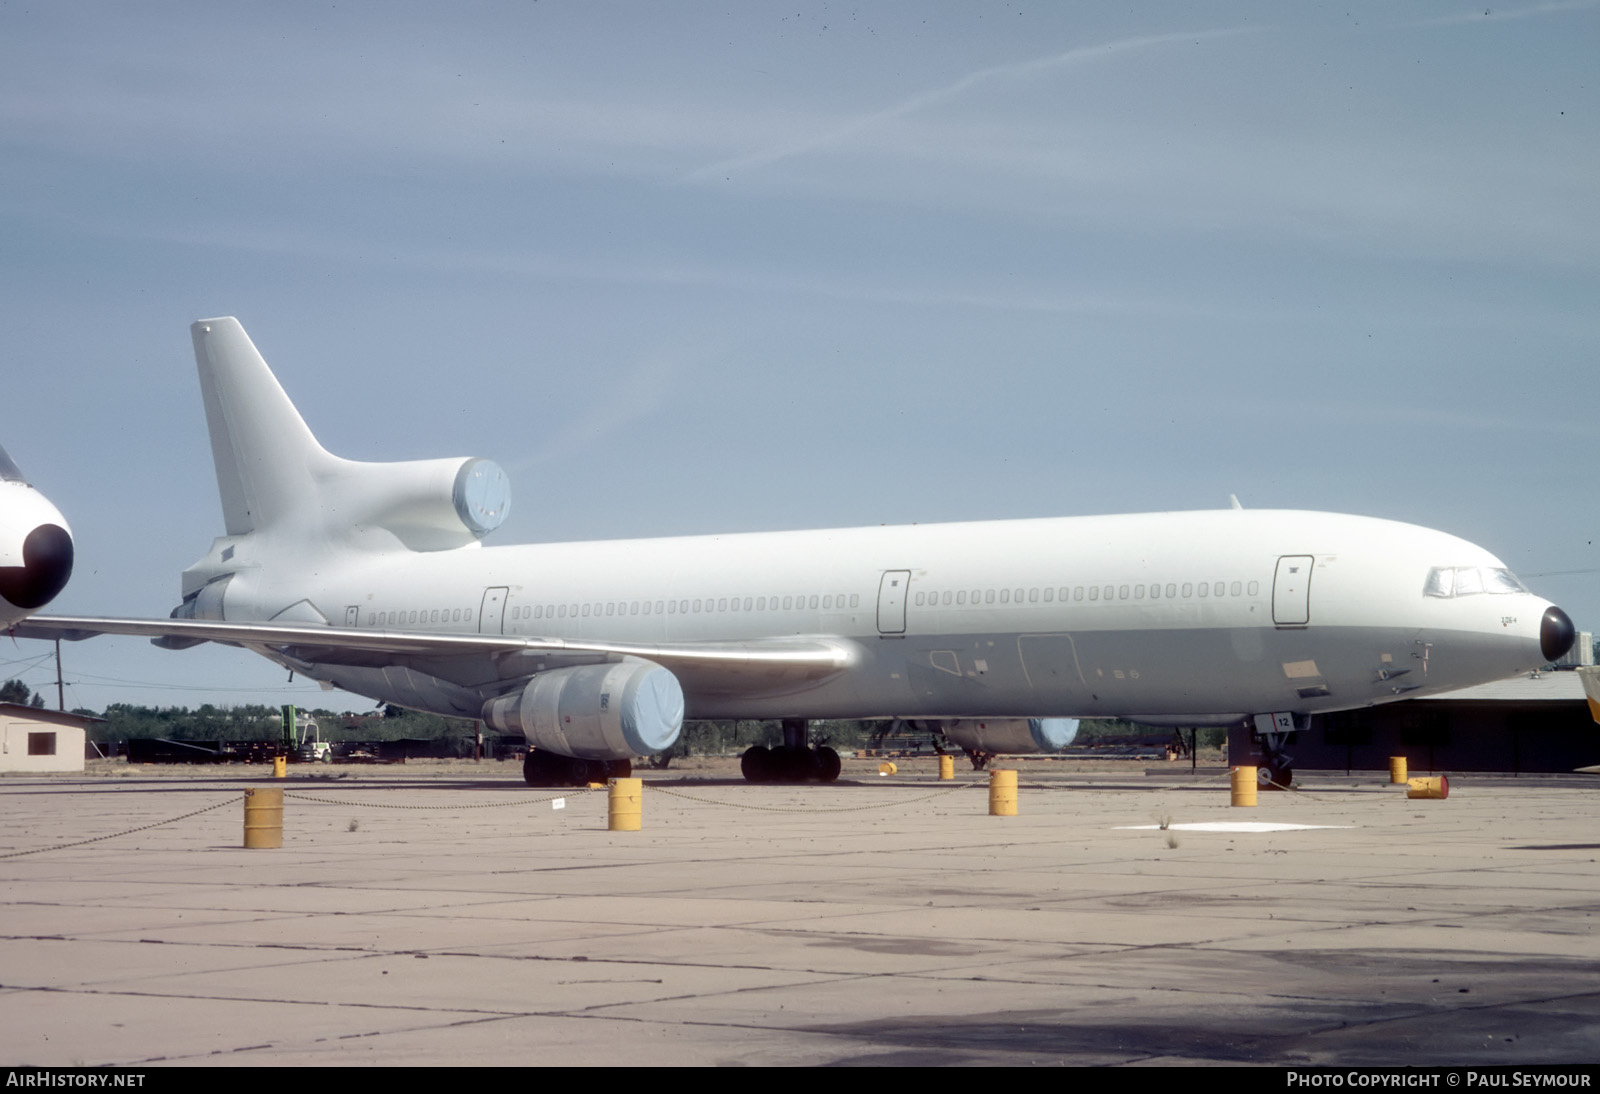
{"type": "Point", "coordinates": [46, 565]}
{"type": "Point", "coordinates": [1556, 634]}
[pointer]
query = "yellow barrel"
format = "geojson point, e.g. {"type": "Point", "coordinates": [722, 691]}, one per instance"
{"type": "Point", "coordinates": [1244, 786]}
{"type": "Point", "coordinates": [1397, 770]}
{"type": "Point", "coordinates": [887, 767]}
{"type": "Point", "coordinates": [1438, 787]}
{"type": "Point", "coordinates": [947, 767]}
{"type": "Point", "coordinates": [625, 812]}
{"type": "Point", "coordinates": [1002, 793]}
{"type": "Point", "coordinates": [280, 767]}
{"type": "Point", "coordinates": [263, 816]}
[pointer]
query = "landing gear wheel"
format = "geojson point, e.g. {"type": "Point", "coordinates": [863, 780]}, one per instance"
{"type": "Point", "coordinates": [544, 769]}
{"type": "Point", "coordinates": [828, 764]}
{"type": "Point", "coordinates": [583, 772]}
{"type": "Point", "coordinates": [793, 764]}
{"type": "Point", "coordinates": [756, 764]}
{"type": "Point", "coordinates": [619, 769]}
{"type": "Point", "coordinates": [1270, 777]}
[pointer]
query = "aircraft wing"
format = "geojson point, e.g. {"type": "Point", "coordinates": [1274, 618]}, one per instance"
{"type": "Point", "coordinates": [713, 667]}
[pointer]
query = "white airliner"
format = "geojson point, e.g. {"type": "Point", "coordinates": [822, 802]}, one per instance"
{"type": "Point", "coordinates": [35, 546]}
{"type": "Point", "coordinates": [371, 577]}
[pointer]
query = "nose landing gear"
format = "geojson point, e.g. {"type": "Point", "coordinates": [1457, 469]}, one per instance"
{"type": "Point", "coordinates": [1272, 735]}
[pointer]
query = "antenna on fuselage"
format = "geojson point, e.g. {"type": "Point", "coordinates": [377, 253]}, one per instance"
{"type": "Point", "coordinates": [1233, 502]}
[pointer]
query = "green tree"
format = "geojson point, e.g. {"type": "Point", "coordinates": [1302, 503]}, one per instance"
{"type": "Point", "coordinates": [15, 691]}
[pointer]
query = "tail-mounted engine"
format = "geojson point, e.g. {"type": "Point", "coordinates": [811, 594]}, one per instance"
{"type": "Point", "coordinates": [594, 712]}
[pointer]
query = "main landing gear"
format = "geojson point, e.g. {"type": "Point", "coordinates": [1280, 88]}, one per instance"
{"type": "Point", "coordinates": [553, 769]}
{"type": "Point", "coordinates": [791, 762]}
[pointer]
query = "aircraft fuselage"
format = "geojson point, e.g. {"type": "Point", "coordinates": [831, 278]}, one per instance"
{"type": "Point", "coordinates": [1205, 616]}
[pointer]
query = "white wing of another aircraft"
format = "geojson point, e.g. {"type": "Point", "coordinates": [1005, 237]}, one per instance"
{"type": "Point", "coordinates": [372, 577]}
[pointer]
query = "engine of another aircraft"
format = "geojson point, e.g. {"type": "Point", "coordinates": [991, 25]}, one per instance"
{"type": "Point", "coordinates": [594, 712]}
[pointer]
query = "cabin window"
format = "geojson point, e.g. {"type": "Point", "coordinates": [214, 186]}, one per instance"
{"type": "Point", "coordinates": [1138, 592]}
{"type": "Point", "coordinates": [1236, 589]}
{"type": "Point", "coordinates": [1155, 592]}
{"type": "Point", "coordinates": [1049, 595]}
{"type": "Point", "coordinates": [1255, 587]}
{"type": "Point", "coordinates": [961, 597]}
{"type": "Point", "coordinates": [1123, 592]}
{"type": "Point", "coordinates": [1077, 593]}
{"type": "Point", "coordinates": [855, 600]}
{"type": "Point", "coordinates": [1005, 596]}
{"type": "Point", "coordinates": [1094, 592]}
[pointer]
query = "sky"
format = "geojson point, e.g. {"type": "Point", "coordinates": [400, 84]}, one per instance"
{"type": "Point", "coordinates": [693, 267]}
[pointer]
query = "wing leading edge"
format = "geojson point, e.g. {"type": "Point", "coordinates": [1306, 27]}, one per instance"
{"type": "Point", "coordinates": [714, 666]}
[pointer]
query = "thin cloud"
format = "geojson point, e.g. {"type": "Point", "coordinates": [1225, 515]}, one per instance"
{"type": "Point", "coordinates": [865, 122]}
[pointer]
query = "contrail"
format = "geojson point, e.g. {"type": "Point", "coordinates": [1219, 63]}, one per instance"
{"type": "Point", "coordinates": [1083, 54]}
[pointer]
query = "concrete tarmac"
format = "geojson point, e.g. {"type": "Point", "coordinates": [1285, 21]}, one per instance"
{"type": "Point", "coordinates": [454, 917]}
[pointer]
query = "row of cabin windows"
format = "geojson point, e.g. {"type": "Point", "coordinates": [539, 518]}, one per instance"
{"type": "Point", "coordinates": [1077, 593]}
{"type": "Point", "coordinates": [686, 607]}
{"type": "Point", "coordinates": [831, 602]}
{"type": "Point", "coordinates": [435, 615]}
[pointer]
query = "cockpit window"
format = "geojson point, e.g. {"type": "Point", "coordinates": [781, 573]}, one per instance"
{"type": "Point", "coordinates": [1449, 581]}
{"type": "Point", "coordinates": [8, 470]}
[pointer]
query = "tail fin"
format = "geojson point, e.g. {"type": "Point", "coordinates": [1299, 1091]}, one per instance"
{"type": "Point", "coordinates": [266, 458]}
{"type": "Point", "coordinates": [274, 476]}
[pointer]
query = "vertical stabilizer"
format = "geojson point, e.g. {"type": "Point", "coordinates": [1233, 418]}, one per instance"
{"type": "Point", "coordinates": [266, 458]}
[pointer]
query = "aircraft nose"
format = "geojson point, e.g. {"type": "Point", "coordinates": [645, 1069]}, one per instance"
{"type": "Point", "coordinates": [46, 565]}
{"type": "Point", "coordinates": [1556, 633]}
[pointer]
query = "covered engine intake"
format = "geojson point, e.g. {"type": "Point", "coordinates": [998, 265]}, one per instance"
{"type": "Point", "coordinates": [594, 712]}
{"type": "Point", "coordinates": [1010, 736]}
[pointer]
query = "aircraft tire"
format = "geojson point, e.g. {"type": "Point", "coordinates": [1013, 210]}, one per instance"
{"type": "Point", "coordinates": [756, 764]}
{"type": "Point", "coordinates": [828, 764]}
{"type": "Point", "coordinates": [539, 770]}
{"type": "Point", "coordinates": [1270, 777]}
{"type": "Point", "coordinates": [619, 769]}
{"type": "Point", "coordinates": [583, 772]}
{"type": "Point", "coordinates": [795, 764]}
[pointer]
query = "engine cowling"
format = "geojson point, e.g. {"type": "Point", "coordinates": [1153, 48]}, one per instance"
{"type": "Point", "coordinates": [1011, 736]}
{"type": "Point", "coordinates": [594, 712]}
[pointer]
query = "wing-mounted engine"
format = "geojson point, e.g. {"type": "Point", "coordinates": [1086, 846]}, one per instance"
{"type": "Point", "coordinates": [594, 712]}
{"type": "Point", "coordinates": [1009, 736]}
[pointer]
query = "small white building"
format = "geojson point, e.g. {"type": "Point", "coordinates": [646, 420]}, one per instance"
{"type": "Point", "coordinates": [34, 740]}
